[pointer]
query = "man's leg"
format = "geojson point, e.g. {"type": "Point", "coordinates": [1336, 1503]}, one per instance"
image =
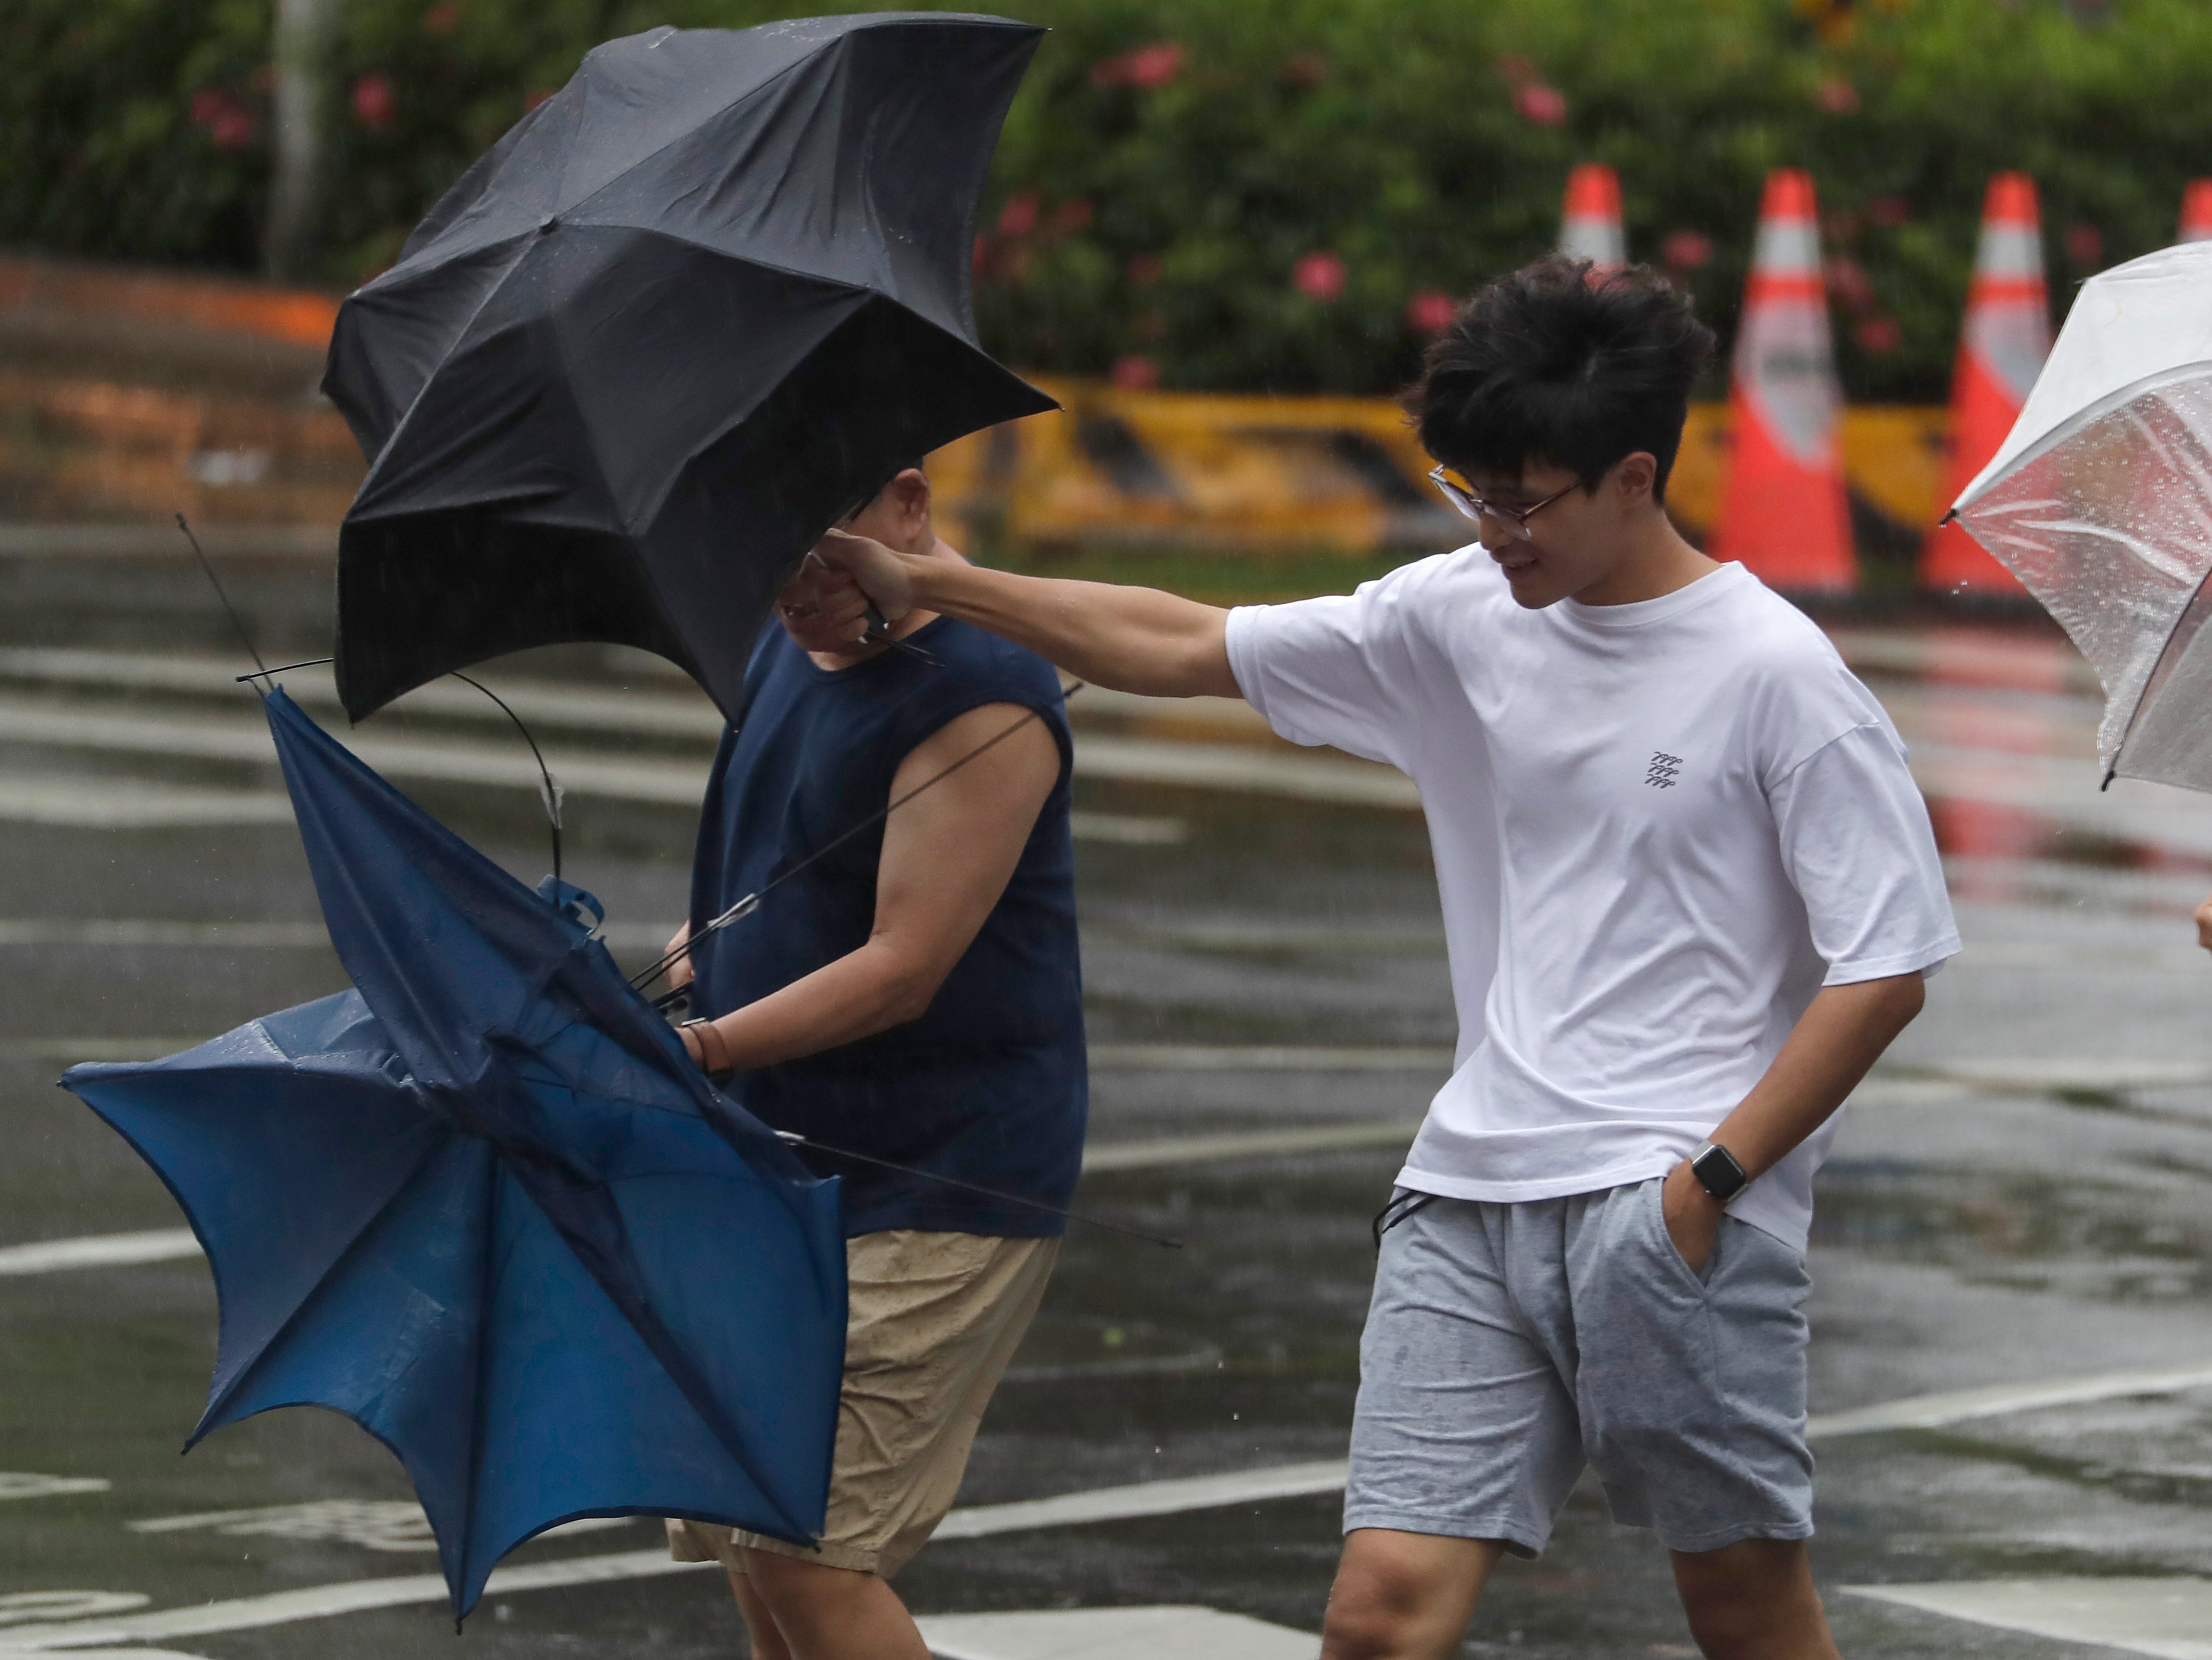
{"type": "Point", "coordinates": [1404, 1596]}
{"type": "Point", "coordinates": [828, 1614]}
{"type": "Point", "coordinates": [1754, 1600]}
{"type": "Point", "coordinates": [767, 1642]}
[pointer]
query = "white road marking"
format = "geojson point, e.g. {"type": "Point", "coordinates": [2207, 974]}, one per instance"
{"type": "Point", "coordinates": [1131, 1502]}
{"type": "Point", "coordinates": [1192, 1150]}
{"type": "Point", "coordinates": [142, 931]}
{"type": "Point", "coordinates": [18, 1607]}
{"type": "Point", "coordinates": [1243, 769]}
{"type": "Point", "coordinates": [1265, 1057]}
{"type": "Point", "coordinates": [321, 1601]}
{"type": "Point", "coordinates": [17, 1484]}
{"type": "Point", "coordinates": [1137, 1633]}
{"type": "Point", "coordinates": [68, 1051]}
{"type": "Point", "coordinates": [1127, 828]}
{"type": "Point", "coordinates": [1142, 1499]}
{"type": "Point", "coordinates": [2171, 1618]}
{"type": "Point", "coordinates": [410, 756]}
{"type": "Point", "coordinates": [160, 1244]}
{"type": "Point", "coordinates": [2069, 1072]}
{"type": "Point", "coordinates": [110, 803]}
{"type": "Point", "coordinates": [1958, 1406]}
{"type": "Point", "coordinates": [385, 1525]}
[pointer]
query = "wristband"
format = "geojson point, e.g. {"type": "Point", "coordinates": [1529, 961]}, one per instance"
{"type": "Point", "coordinates": [713, 1048]}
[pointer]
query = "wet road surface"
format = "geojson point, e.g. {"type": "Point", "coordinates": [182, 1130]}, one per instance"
{"type": "Point", "coordinates": [2019, 1199]}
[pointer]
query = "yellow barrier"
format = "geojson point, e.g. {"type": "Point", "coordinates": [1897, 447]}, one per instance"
{"type": "Point", "coordinates": [1285, 475]}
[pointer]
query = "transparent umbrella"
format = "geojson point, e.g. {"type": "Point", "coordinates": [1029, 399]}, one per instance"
{"type": "Point", "coordinates": [2101, 502]}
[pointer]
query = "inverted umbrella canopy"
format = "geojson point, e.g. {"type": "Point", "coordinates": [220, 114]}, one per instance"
{"type": "Point", "coordinates": [678, 320]}
{"type": "Point", "coordinates": [2101, 502]}
{"type": "Point", "coordinates": [483, 1205]}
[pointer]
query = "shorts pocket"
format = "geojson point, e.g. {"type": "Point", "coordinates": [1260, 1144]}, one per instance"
{"type": "Point", "coordinates": [1655, 1206]}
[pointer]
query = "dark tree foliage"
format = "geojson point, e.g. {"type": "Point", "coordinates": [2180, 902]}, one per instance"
{"type": "Point", "coordinates": [1240, 193]}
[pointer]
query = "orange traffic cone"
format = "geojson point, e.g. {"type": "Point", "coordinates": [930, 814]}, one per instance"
{"type": "Point", "coordinates": [1590, 228]}
{"type": "Point", "coordinates": [1783, 513]}
{"type": "Point", "coordinates": [2197, 211]}
{"type": "Point", "coordinates": [2008, 336]}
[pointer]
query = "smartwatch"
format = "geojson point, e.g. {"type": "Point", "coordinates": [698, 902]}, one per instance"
{"type": "Point", "coordinates": [1718, 1171]}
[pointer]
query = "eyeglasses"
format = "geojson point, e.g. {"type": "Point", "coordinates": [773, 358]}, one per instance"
{"type": "Point", "coordinates": [1514, 521]}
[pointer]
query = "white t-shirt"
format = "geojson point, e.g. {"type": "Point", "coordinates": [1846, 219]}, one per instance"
{"type": "Point", "coordinates": [1658, 827]}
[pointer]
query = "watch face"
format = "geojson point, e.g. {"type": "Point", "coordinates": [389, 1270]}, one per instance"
{"type": "Point", "coordinates": [1718, 1174]}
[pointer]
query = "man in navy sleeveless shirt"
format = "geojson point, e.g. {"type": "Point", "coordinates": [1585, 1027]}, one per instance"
{"type": "Point", "coordinates": [914, 996]}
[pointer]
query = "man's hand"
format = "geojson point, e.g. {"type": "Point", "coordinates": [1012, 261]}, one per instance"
{"type": "Point", "coordinates": [880, 572]}
{"type": "Point", "coordinates": [2204, 925]}
{"type": "Point", "coordinates": [823, 609]}
{"type": "Point", "coordinates": [1694, 1216]}
{"type": "Point", "coordinates": [678, 949]}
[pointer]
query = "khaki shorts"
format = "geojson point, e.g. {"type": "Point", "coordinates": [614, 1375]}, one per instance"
{"type": "Point", "coordinates": [932, 1320]}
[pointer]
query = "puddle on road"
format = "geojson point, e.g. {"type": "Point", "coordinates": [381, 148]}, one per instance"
{"type": "Point", "coordinates": [2093, 1241]}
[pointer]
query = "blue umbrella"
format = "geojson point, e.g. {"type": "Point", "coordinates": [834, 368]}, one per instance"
{"type": "Point", "coordinates": [483, 1205]}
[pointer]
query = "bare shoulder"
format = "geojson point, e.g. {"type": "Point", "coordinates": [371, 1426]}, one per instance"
{"type": "Point", "coordinates": [995, 740]}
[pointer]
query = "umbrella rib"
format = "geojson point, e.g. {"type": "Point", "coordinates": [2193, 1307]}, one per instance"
{"type": "Point", "coordinates": [246, 1368]}
{"type": "Point", "coordinates": [495, 1174]}
{"type": "Point", "coordinates": [520, 243]}
{"type": "Point", "coordinates": [752, 91]}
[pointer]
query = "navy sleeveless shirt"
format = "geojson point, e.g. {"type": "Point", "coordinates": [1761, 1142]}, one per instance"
{"type": "Point", "coordinates": [989, 1085]}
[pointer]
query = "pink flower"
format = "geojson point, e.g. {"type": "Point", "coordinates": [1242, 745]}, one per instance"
{"type": "Point", "coordinates": [1073, 215]}
{"type": "Point", "coordinates": [1136, 373]}
{"type": "Point", "coordinates": [1148, 68]}
{"type": "Point", "coordinates": [2085, 244]}
{"type": "Point", "coordinates": [1146, 269]}
{"type": "Point", "coordinates": [373, 102]}
{"type": "Point", "coordinates": [229, 122]}
{"type": "Point", "coordinates": [1849, 282]}
{"type": "Point", "coordinates": [1305, 68]}
{"type": "Point", "coordinates": [1878, 334]}
{"type": "Point", "coordinates": [1431, 312]}
{"type": "Point", "coordinates": [233, 130]}
{"type": "Point", "coordinates": [1837, 96]}
{"type": "Point", "coordinates": [531, 100]}
{"type": "Point", "coordinates": [1019, 216]}
{"type": "Point", "coordinates": [1889, 211]}
{"type": "Point", "coordinates": [1318, 276]}
{"type": "Point", "coordinates": [442, 18]}
{"type": "Point", "coordinates": [1547, 106]}
{"type": "Point", "coordinates": [1686, 250]}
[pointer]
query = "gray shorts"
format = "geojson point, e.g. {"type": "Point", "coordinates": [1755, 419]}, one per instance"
{"type": "Point", "coordinates": [1509, 1344]}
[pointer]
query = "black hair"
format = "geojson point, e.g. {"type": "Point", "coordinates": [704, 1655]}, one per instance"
{"type": "Point", "coordinates": [1559, 363]}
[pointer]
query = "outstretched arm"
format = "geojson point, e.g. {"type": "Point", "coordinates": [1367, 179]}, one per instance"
{"type": "Point", "coordinates": [1126, 639]}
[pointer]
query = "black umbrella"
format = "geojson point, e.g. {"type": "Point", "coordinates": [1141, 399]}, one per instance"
{"type": "Point", "coordinates": [688, 311]}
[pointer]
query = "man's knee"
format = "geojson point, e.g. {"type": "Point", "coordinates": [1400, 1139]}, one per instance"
{"type": "Point", "coordinates": [1755, 1598]}
{"type": "Point", "coordinates": [1398, 1595]}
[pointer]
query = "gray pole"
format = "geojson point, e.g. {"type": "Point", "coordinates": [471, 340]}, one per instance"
{"type": "Point", "coordinates": [302, 51]}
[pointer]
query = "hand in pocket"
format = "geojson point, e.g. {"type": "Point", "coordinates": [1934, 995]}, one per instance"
{"type": "Point", "coordinates": [1692, 1218]}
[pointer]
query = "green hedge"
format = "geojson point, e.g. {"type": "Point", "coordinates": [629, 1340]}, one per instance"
{"type": "Point", "coordinates": [1171, 163]}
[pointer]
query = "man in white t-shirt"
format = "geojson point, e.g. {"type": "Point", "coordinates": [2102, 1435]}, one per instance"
{"type": "Point", "coordinates": [1689, 895]}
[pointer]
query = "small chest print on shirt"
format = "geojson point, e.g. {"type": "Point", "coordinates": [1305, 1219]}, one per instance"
{"type": "Point", "coordinates": [1660, 775]}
